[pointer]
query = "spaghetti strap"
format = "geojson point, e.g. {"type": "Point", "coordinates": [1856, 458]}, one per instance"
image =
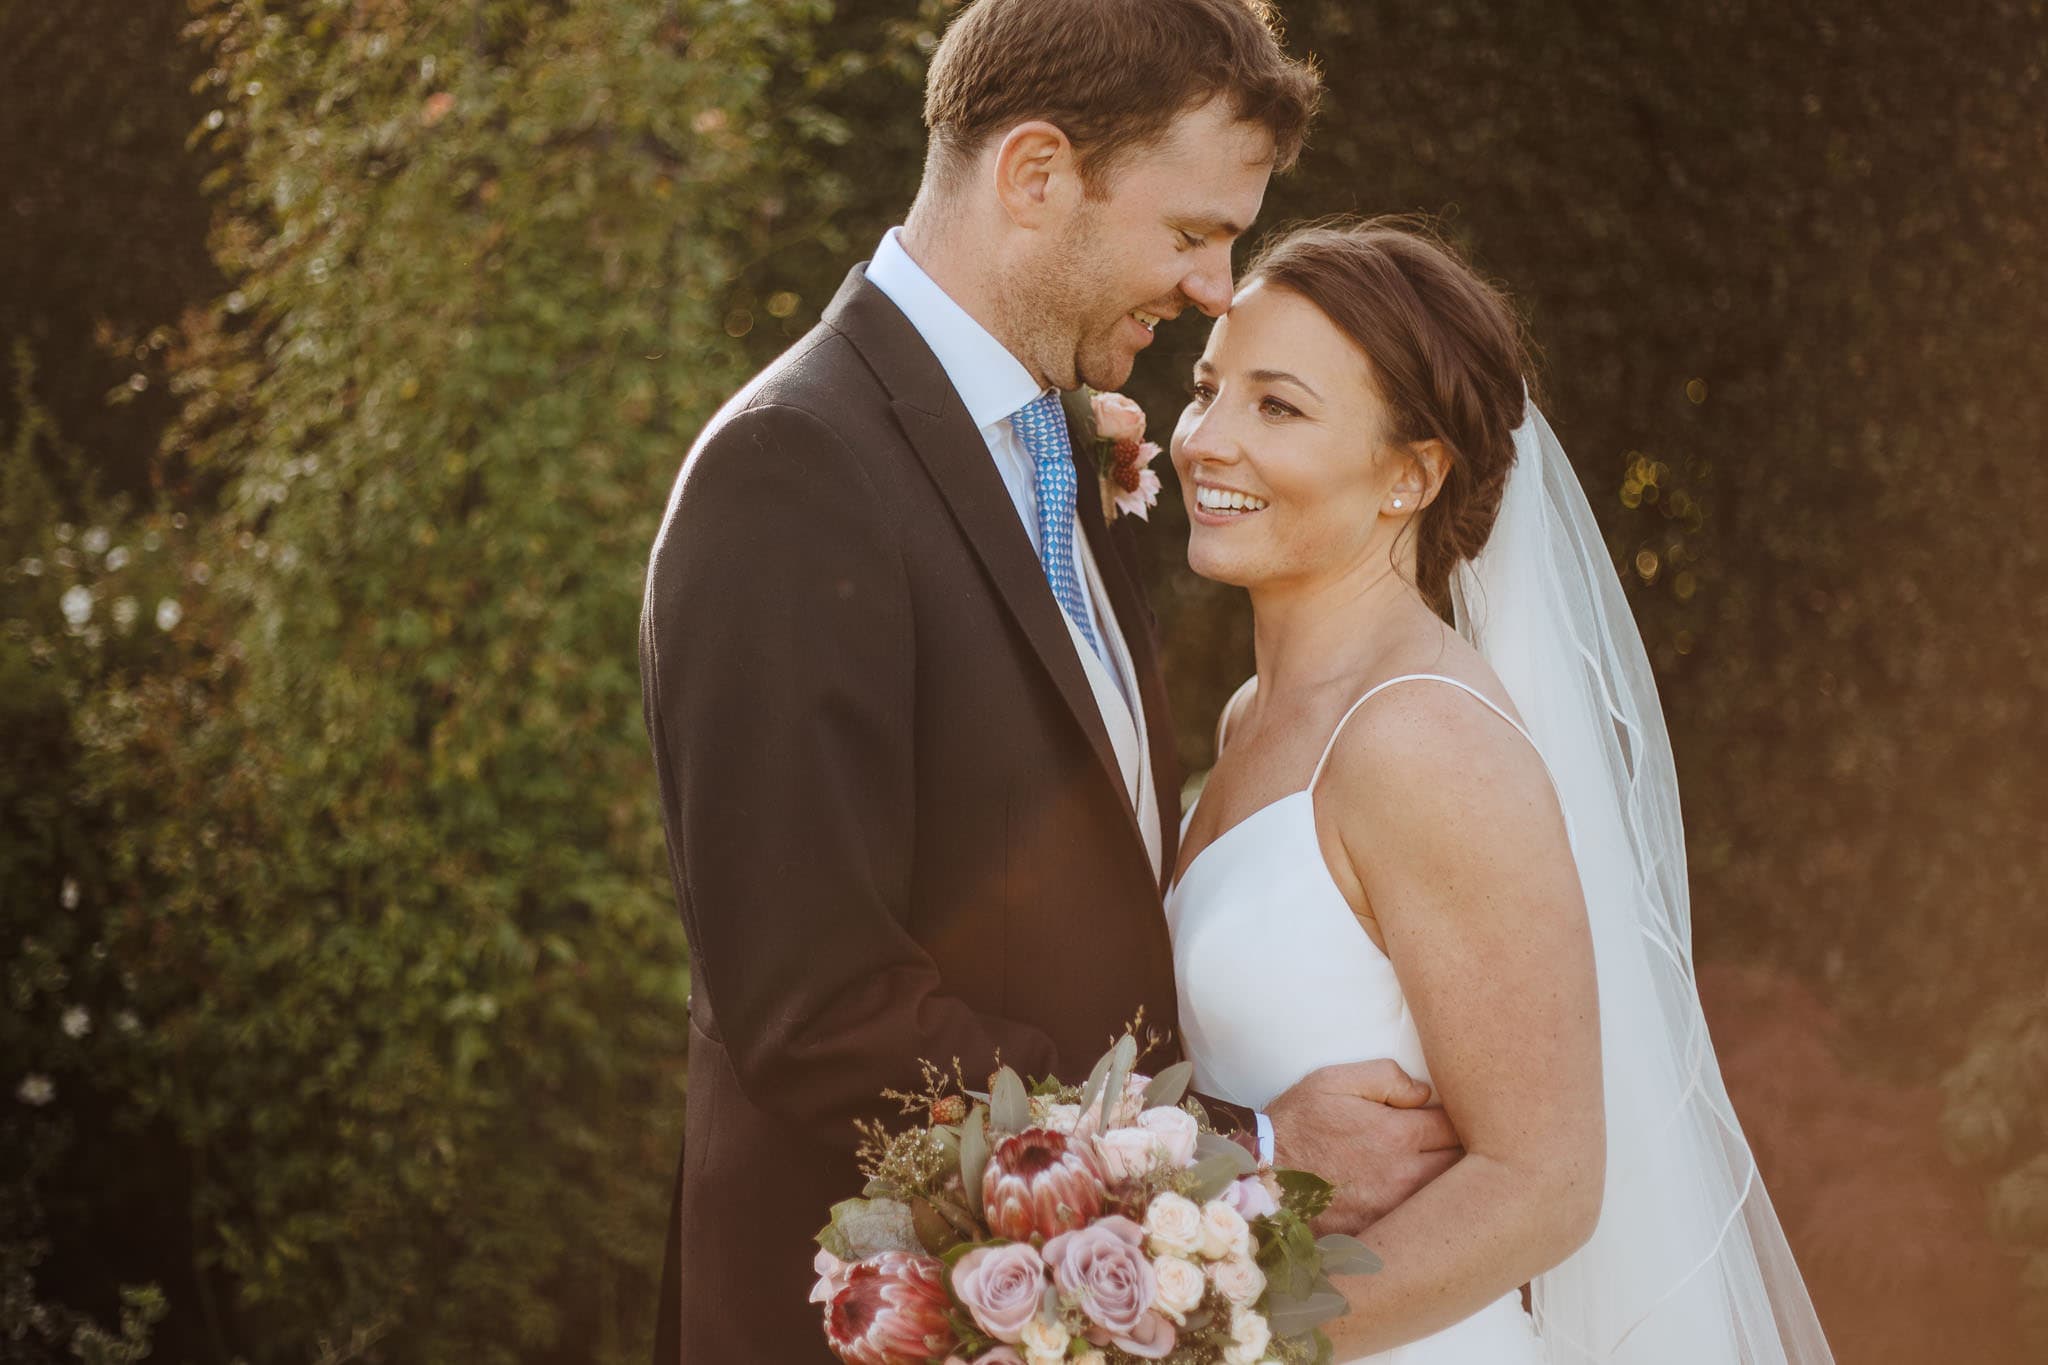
{"type": "Point", "coordinates": [1485, 700]}
{"type": "Point", "coordinates": [1244, 689]}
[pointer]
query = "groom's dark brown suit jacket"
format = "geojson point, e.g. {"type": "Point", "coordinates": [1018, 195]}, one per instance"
{"type": "Point", "coordinates": [895, 823]}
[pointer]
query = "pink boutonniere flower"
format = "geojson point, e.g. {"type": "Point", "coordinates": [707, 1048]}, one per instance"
{"type": "Point", "coordinates": [1121, 455]}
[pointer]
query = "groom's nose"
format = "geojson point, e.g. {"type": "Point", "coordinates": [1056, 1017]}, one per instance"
{"type": "Point", "coordinates": [1208, 284]}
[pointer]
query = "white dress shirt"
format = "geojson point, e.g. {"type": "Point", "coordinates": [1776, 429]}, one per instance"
{"type": "Point", "coordinates": [993, 383]}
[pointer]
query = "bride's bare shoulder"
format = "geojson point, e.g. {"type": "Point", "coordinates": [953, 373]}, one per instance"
{"type": "Point", "coordinates": [1439, 747]}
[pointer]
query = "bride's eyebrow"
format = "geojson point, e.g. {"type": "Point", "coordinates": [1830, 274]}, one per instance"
{"type": "Point", "coordinates": [1280, 376]}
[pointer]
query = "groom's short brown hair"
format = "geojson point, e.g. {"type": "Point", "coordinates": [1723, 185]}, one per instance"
{"type": "Point", "coordinates": [1111, 74]}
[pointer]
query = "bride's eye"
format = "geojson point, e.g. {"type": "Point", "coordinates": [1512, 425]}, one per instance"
{"type": "Point", "coordinates": [1273, 407]}
{"type": "Point", "coordinates": [1201, 393]}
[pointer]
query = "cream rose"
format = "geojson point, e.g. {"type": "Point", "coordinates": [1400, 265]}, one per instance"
{"type": "Point", "coordinates": [1224, 1231]}
{"type": "Point", "coordinates": [1175, 1130]}
{"type": "Point", "coordinates": [1044, 1341]}
{"type": "Point", "coordinates": [1173, 1225]}
{"type": "Point", "coordinates": [1238, 1279]}
{"type": "Point", "coordinates": [1249, 1338]}
{"type": "Point", "coordinates": [1181, 1287]}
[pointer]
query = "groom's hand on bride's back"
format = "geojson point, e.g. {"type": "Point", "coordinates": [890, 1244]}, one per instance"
{"type": "Point", "coordinates": [1370, 1129]}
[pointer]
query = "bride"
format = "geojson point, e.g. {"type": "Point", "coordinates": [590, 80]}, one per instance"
{"type": "Point", "coordinates": [1460, 848]}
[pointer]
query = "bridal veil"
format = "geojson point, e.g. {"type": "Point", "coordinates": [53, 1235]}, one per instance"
{"type": "Point", "coordinates": [1688, 1264]}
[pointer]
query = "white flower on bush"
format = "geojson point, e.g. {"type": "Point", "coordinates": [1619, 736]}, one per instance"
{"type": "Point", "coordinates": [77, 1022]}
{"type": "Point", "coordinates": [1224, 1231]}
{"type": "Point", "coordinates": [168, 614]}
{"type": "Point", "coordinates": [76, 604]}
{"type": "Point", "coordinates": [1238, 1279]}
{"type": "Point", "coordinates": [1174, 1129]}
{"type": "Point", "coordinates": [67, 894]}
{"type": "Point", "coordinates": [1181, 1287]}
{"type": "Point", "coordinates": [1044, 1341]}
{"type": "Point", "coordinates": [1249, 1338]}
{"type": "Point", "coordinates": [36, 1089]}
{"type": "Point", "coordinates": [1173, 1225]}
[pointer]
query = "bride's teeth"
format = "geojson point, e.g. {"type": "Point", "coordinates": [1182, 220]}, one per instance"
{"type": "Point", "coordinates": [1227, 500]}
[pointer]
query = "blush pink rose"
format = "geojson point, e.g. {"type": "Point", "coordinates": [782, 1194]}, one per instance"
{"type": "Point", "coordinates": [1001, 1287]}
{"type": "Point", "coordinates": [1117, 418]}
{"type": "Point", "coordinates": [1127, 1153]}
{"type": "Point", "coordinates": [1174, 1130]}
{"type": "Point", "coordinates": [1250, 1197]}
{"type": "Point", "coordinates": [1103, 1266]}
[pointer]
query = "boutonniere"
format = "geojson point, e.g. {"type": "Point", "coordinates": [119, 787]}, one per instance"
{"type": "Point", "coordinates": [1121, 456]}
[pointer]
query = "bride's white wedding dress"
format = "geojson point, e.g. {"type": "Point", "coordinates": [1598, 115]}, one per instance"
{"type": "Point", "coordinates": [1258, 906]}
{"type": "Point", "coordinates": [1688, 1265]}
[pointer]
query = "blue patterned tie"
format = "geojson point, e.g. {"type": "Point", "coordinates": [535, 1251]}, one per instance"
{"type": "Point", "coordinates": [1042, 424]}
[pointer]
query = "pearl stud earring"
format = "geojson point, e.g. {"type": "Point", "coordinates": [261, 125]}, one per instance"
{"type": "Point", "coordinates": [1397, 503]}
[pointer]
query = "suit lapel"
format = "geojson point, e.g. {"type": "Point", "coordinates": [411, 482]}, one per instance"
{"type": "Point", "coordinates": [1121, 582]}
{"type": "Point", "coordinates": [953, 452]}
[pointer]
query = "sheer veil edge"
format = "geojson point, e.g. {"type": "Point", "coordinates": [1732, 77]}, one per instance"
{"type": "Point", "coordinates": [1688, 1264]}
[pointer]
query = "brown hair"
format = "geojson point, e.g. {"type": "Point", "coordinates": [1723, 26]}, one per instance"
{"type": "Point", "coordinates": [1111, 75]}
{"type": "Point", "coordinates": [1446, 350]}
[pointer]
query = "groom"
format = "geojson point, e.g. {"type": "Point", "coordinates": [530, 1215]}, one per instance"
{"type": "Point", "coordinates": [917, 773]}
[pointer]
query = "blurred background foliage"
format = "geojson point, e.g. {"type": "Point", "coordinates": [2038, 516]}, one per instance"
{"type": "Point", "coordinates": [351, 348]}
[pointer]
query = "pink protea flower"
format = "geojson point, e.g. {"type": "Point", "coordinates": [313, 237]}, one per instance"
{"type": "Point", "coordinates": [1040, 1183]}
{"type": "Point", "coordinates": [892, 1311]}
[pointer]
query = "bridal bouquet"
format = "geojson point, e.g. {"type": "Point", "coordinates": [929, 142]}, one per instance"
{"type": "Point", "coordinates": [1093, 1224]}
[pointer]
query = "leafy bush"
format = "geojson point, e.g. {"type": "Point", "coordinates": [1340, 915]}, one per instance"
{"type": "Point", "coordinates": [374, 857]}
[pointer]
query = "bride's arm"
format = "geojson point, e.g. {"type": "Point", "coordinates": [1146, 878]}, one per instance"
{"type": "Point", "coordinates": [1453, 843]}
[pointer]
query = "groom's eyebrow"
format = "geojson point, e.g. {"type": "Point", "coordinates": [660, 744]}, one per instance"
{"type": "Point", "coordinates": [1216, 227]}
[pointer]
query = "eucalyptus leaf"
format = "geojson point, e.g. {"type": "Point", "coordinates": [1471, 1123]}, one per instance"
{"type": "Point", "coordinates": [1009, 1107]}
{"type": "Point", "coordinates": [869, 1227]}
{"type": "Point", "coordinates": [1344, 1255]}
{"type": "Point", "coordinates": [973, 1154]}
{"type": "Point", "coordinates": [1291, 1317]}
{"type": "Point", "coordinates": [1212, 1144]}
{"type": "Point", "coordinates": [1091, 1090]}
{"type": "Point", "coordinates": [1210, 1176]}
{"type": "Point", "coordinates": [1122, 1058]}
{"type": "Point", "coordinates": [1170, 1085]}
{"type": "Point", "coordinates": [935, 1233]}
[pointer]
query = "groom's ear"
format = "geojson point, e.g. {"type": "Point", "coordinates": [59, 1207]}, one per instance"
{"type": "Point", "coordinates": [1424, 466]}
{"type": "Point", "coordinates": [1037, 175]}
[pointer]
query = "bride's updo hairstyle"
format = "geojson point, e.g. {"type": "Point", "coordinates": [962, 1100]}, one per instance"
{"type": "Point", "coordinates": [1444, 348]}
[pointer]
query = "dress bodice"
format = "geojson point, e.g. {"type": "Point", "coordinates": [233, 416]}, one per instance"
{"type": "Point", "coordinates": [1277, 978]}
